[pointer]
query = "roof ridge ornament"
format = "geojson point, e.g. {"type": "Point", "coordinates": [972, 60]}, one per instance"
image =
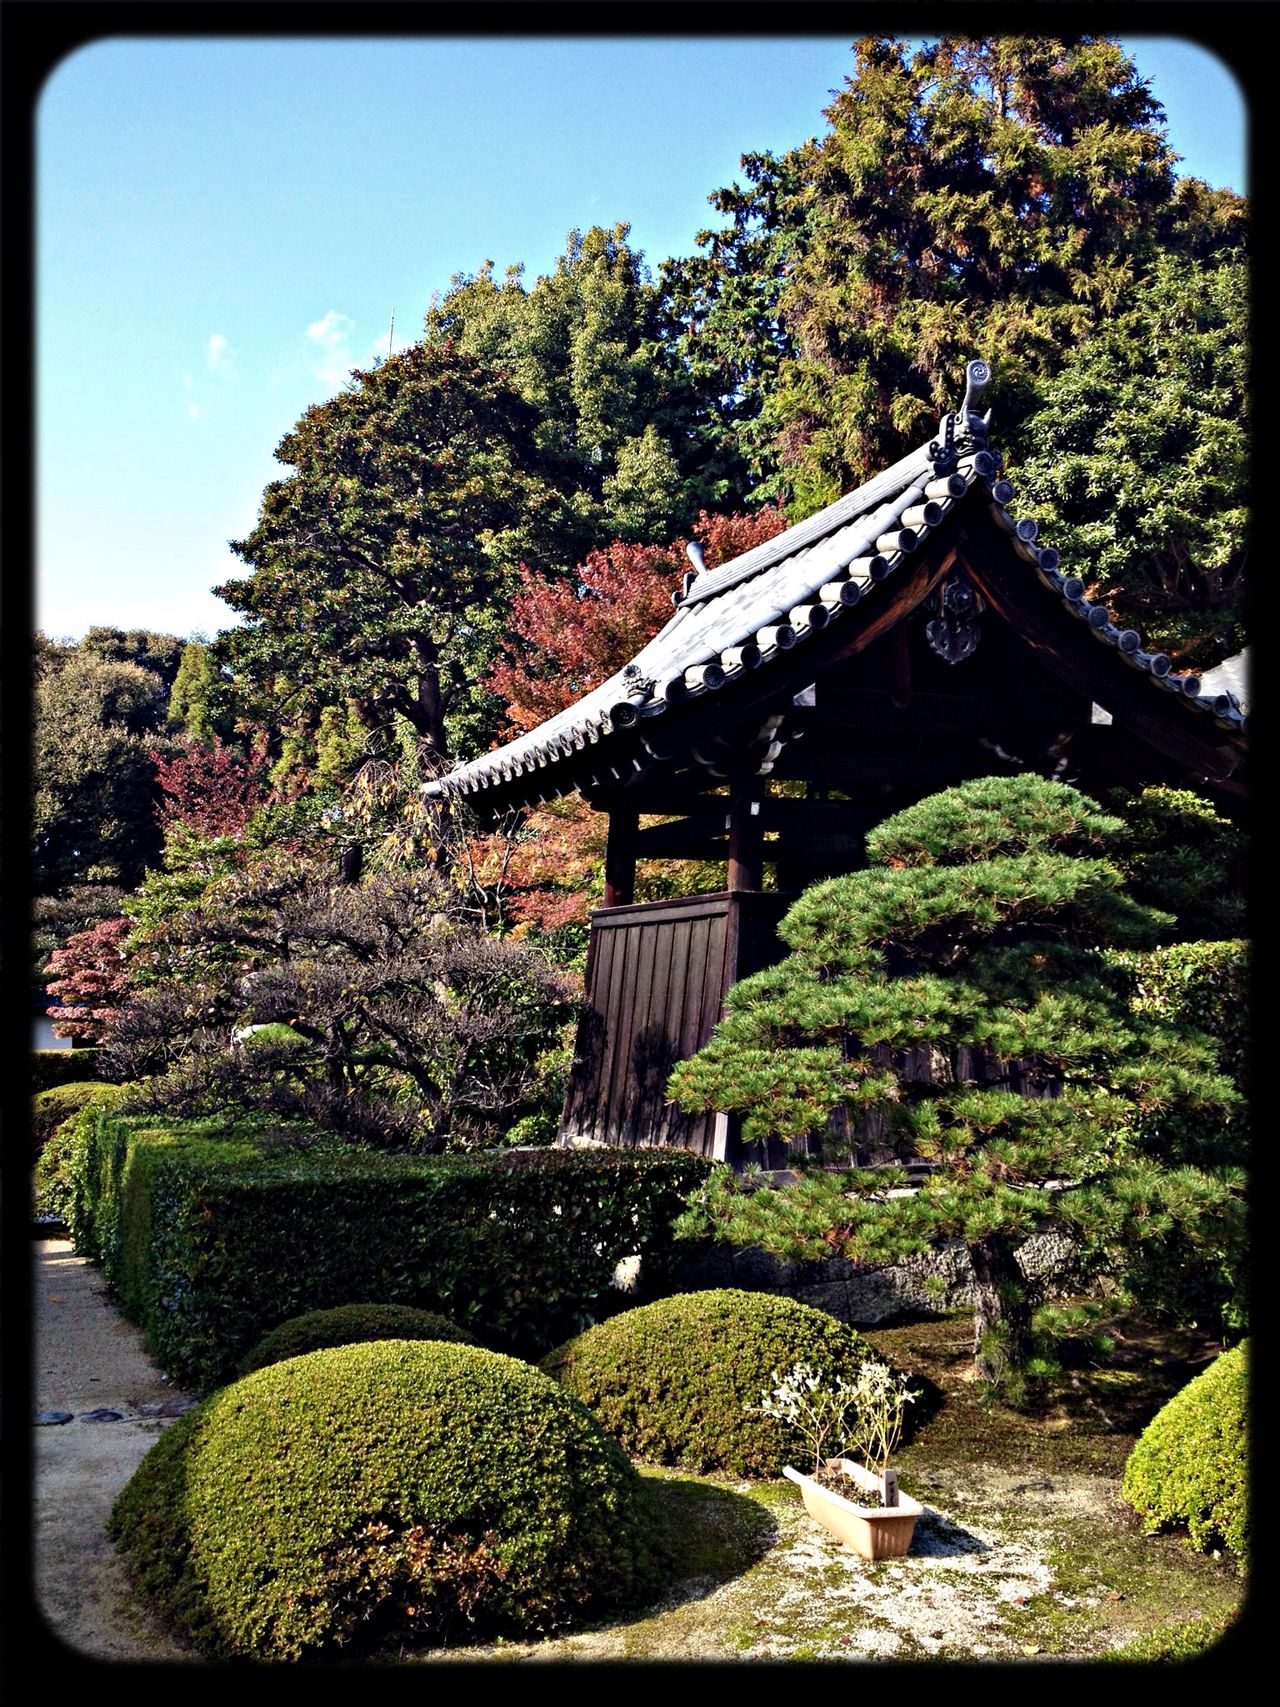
{"type": "Point", "coordinates": [965, 430]}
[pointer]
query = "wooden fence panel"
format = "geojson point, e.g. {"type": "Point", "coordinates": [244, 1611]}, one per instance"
{"type": "Point", "coordinates": [657, 973]}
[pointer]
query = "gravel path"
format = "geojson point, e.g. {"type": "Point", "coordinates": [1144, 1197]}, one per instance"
{"type": "Point", "coordinates": [89, 1359]}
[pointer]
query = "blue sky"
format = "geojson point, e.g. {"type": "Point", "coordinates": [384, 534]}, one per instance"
{"type": "Point", "coordinates": [224, 228]}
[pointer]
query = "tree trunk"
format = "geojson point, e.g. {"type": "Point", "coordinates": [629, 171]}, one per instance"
{"type": "Point", "coordinates": [427, 715]}
{"type": "Point", "coordinates": [1001, 1309]}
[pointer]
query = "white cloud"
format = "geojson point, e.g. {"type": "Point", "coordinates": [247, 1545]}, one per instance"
{"type": "Point", "coordinates": [332, 332]}
{"type": "Point", "coordinates": [218, 353]}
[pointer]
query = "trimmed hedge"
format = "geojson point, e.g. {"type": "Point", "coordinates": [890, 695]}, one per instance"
{"type": "Point", "coordinates": [350, 1324]}
{"type": "Point", "coordinates": [387, 1492]}
{"type": "Point", "coordinates": [681, 1381]}
{"type": "Point", "coordinates": [51, 1067]}
{"type": "Point", "coordinates": [1189, 1469]}
{"type": "Point", "coordinates": [209, 1235]}
{"type": "Point", "coordinates": [51, 1107]}
{"type": "Point", "coordinates": [62, 1147]}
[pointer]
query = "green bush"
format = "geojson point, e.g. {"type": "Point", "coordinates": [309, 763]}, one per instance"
{"type": "Point", "coordinates": [62, 1147]}
{"type": "Point", "coordinates": [1197, 986]}
{"type": "Point", "coordinates": [51, 1067]}
{"type": "Point", "coordinates": [1189, 1469]}
{"type": "Point", "coordinates": [680, 1381]}
{"type": "Point", "coordinates": [209, 1235]}
{"type": "Point", "coordinates": [350, 1324]}
{"type": "Point", "coordinates": [384, 1493]}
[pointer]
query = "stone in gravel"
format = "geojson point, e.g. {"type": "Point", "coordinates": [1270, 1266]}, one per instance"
{"type": "Point", "coordinates": [101, 1415]}
{"type": "Point", "coordinates": [176, 1407]}
{"type": "Point", "coordinates": [46, 1419]}
{"type": "Point", "coordinates": [152, 1408]}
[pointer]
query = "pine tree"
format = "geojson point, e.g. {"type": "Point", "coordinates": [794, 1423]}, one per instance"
{"type": "Point", "coordinates": [955, 1002]}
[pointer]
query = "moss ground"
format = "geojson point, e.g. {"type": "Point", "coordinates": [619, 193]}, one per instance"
{"type": "Point", "coordinates": [1025, 1552]}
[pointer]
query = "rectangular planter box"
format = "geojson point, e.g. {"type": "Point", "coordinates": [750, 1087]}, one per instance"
{"type": "Point", "coordinates": [873, 1532]}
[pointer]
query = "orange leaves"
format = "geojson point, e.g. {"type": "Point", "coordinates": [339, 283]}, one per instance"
{"type": "Point", "coordinates": [566, 637]}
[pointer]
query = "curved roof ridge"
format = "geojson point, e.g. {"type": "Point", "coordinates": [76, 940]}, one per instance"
{"type": "Point", "coordinates": [771, 598]}
{"type": "Point", "coordinates": [713, 582]}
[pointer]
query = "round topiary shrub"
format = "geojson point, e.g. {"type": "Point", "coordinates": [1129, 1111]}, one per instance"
{"type": "Point", "coordinates": [681, 1381]}
{"type": "Point", "coordinates": [350, 1324]}
{"type": "Point", "coordinates": [391, 1491]}
{"type": "Point", "coordinates": [1189, 1469]}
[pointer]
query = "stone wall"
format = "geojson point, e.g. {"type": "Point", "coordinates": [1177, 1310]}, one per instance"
{"type": "Point", "coordinates": [860, 1293]}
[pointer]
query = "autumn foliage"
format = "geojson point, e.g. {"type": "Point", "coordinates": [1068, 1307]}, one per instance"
{"type": "Point", "coordinates": [210, 788]}
{"type": "Point", "coordinates": [89, 979]}
{"type": "Point", "coordinates": [568, 637]}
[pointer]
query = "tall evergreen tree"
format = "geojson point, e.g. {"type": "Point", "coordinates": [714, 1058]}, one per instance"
{"type": "Point", "coordinates": [383, 563]}
{"type": "Point", "coordinates": [200, 699]}
{"type": "Point", "coordinates": [1000, 196]}
{"type": "Point", "coordinates": [584, 346]}
{"type": "Point", "coordinates": [1136, 459]}
{"type": "Point", "coordinates": [93, 817]}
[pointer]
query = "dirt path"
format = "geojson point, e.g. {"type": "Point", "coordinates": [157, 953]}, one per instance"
{"type": "Point", "coordinates": [88, 1358]}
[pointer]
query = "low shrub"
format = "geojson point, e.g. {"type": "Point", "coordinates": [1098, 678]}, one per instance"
{"type": "Point", "coordinates": [387, 1492]}
{"type": "Point", "coordinates": [209, 1234]}
{"type": "Point", "coordinates": [51, 1067]}
{"type": "Point", "coordinates": [681, 1381]}
{"type": "Point", "coordinates": [1189, 1469]}
{"type": "Point", "coordinates": [350, 1324]}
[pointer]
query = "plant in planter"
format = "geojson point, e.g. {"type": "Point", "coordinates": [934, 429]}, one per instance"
{"type": "Point", "coordinates": [862, 1416]}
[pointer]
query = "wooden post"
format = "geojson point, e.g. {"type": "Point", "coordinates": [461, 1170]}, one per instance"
{"type": "Point", "coordinates": [746, 834]}
{"type": "Point", "coordinates": [620, 857]}
{"type": "Point", "coordinates": [900, 668]}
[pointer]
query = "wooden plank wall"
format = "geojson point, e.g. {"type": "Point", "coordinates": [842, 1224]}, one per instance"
{"type": "Point", "coordinates": [657, 973]}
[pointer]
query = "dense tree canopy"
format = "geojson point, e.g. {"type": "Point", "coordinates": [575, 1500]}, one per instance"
{"type": "Point", "coordinates": [382, 564]}
{"type": "Point", "coordinates": [615, 406]}
{"type": "Point", "coordinates": [200, 699]}
{"type": "Point", "coordinates": [1136, 458]}
{"type": "Point", "coordinates": [999, 196]}
{"type": "Point", "coordinates": [94, 806]}
{"type": "Point", "coordinates": [162, 654]}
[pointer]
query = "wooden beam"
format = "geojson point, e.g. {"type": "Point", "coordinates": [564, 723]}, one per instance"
{"type": "Point", "coordinates": [746, 834]}
{"type": "Point", "coordinates": [854, 771]}
{"type": "Point", "coordinates": [620, 857]}
{"type": "Point", "coordinates": [1040, 618]}
{"type": "Point", "coordinates": [857, 710]}
{"type": "Point", "coordinates": [686, 838]}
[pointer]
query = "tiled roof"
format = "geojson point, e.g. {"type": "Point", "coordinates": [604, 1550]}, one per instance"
{"type": "Point", "coordinates": [749, 611]}
{"type": "Point", "coordinates": [1231, 676]}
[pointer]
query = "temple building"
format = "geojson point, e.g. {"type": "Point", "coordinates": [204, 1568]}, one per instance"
{"type": "Point", "coordinates": [914, 634]}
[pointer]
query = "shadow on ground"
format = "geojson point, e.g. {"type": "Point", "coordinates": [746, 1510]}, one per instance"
{"type": "Point", "coordinates": [936, 1537]}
